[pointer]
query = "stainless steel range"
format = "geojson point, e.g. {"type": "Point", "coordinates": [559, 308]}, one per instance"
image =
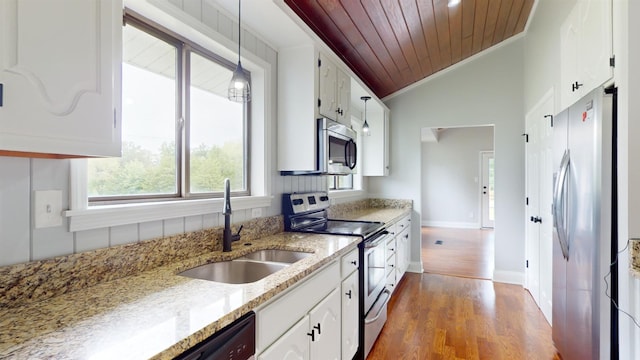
{"type": "Point", "coordinates": [307, 212]}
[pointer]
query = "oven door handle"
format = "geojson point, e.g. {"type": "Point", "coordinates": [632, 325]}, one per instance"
{"type": "Point", "coordinates": [382, 307]}
{"type": "Point", "coordinates": [377, 240]}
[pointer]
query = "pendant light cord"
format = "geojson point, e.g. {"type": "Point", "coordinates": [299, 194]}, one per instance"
{"type": "Point", "coordinates": [239, 29]}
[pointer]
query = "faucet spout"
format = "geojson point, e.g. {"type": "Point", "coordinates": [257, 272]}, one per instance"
{"type": "Point", "coordinates": [227, 237]}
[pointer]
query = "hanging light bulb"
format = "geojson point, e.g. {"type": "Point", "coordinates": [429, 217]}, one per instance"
{"type": "Point", "coordinates": [239, 88]}
{"type": "Point", "coordinates": [365, 126]}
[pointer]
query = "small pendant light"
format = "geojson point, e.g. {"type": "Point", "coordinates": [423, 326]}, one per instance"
{"type": "Point", "coordinates": [239, 88]}
{"type": "Point", "coordinates": [365, 126]}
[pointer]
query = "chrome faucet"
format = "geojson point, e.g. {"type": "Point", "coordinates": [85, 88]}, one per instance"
{"type": "Point", "coordinates": [227, 237]}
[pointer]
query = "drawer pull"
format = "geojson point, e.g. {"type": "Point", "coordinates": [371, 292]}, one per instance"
{"type": "Point", "coordinates": [313, 335]}
{"type": "Point", "coordinates": [317, 327]}
{"type": "Point", "coordinates": [355, 263]}
{"type": "Point", "coordinates": [348, 294]}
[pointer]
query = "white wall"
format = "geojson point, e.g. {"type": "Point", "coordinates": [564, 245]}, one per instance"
{"type": "Point", "coordinates": [19, 177]}
{"type": "Point", "coordinates": [485, 91]}
{"type": "Point", "coordinates": [451, 177]}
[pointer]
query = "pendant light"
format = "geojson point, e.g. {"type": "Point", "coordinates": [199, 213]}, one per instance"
{"type": "Point", "coordinates": [239, 88]}
{"type": "Point", "coordinates": [365, 126]}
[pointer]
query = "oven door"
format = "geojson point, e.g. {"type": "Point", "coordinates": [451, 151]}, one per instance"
{"type": "Point", "coordinates": [374, 270]}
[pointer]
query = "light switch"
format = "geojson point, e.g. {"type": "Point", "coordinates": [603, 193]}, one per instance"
{"type": "Point", "coordinates": [48, 208]}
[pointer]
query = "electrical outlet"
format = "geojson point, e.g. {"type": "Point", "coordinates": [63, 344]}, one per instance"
{"type": "Point", "coordinates": [471, 215]}
{"type": "Point", "coordinates": [256, 213]}
{"type": "Point", "coordinates": [48, 208]}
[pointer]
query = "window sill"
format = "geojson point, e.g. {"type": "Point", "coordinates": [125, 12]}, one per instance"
{"type": "Point", "coordinates": [102, 216]}
{"type": "Point", "coordinates": [342, 194]}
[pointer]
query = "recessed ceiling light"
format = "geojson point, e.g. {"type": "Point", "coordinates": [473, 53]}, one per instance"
{"type": "Point", "coordinates": [453, 3]}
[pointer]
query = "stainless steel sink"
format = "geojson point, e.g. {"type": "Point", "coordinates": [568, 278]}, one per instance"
{"type": "Point", "coordinates": [278, 256]}
{"type": "Point", "coordinates": [234, 272]}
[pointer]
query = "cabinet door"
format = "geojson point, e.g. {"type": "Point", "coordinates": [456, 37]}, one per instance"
{"type": "Point", "coordinates": [293, 345]}
{"type": "Point", "coordinates": [327, 93]}
{"type": "Point", "coordinates": [343, 97]}
{"type": "Point", "coordinates": [586, 47]}
{"type": "Point", "coordinates": [325, 324]}
{"type": "Point", "coordinates": [350, 314]}
{"type": "Point", "coordinates": [595, 47]}
{"type": "Point", "coordinates": [569, 38]}
{"type": "Point", "coordinates": [375, 157]}
{"type": "Point", "coordinates": [60, 67]}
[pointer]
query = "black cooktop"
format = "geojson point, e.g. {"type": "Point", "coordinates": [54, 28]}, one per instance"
{"type": "Point", "coordinates": [346, 227]}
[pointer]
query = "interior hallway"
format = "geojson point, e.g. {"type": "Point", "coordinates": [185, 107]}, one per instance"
{"type": "Point", "coordinates": [458, 252]}
{"type": "Point", "coordinates": [445, 317]}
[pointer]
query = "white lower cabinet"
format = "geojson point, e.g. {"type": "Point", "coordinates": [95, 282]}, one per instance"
{"type": "Point", "coordinates": [293, 345]}
{"type": "Point", "coordinates": [317, 319]}
{"type": "Point", "coordinates": [324, 330]}
{"type": "Point", "coordinates": [316, 336]}
{"type": "Point", "coordinates": [350, 314]}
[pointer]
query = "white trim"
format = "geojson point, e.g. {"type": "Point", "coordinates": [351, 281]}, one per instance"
{"type": "Point", "coordinates": [451, 224]}
{"type": "Point", "coordinates": [97, 217]}
{"type": "Point", "coordinates": [343, 194]}
{"type": "Point", "coordinates": [508, 277]}
{"type": "Point", "coordinates": [415, 267]}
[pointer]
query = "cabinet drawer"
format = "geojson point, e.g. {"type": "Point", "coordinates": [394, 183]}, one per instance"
{"type": "Point", "coordinates": [349, 263]}
{"type": "Point", "coordinates": [391, 263]}
{"type": "Point", "coordinates": [391, 281]}
{"type": "Point", "coordinates": [273, 319]}
{"type": "Point", "coordinates": [391, 246]}
{"type": "Point", "coordinates": [403, 224]}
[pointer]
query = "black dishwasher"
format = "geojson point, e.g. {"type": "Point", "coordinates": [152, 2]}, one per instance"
{"type": "Point", "coordinates": [236, 341]}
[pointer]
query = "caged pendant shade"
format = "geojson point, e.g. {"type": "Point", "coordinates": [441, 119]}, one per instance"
{"type": "Point", "coordinates": [239, 88]}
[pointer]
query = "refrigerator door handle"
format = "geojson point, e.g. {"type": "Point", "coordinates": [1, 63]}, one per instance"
{"type": "Point", "coordinates": [559, 221]}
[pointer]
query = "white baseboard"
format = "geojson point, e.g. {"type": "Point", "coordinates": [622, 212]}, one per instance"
{"type": "Point", "coordinates": [415, 267]}
{"type": "Point", "coordinates": [451, 224]}
{"type": "Point", "coordinates": [509, 277]}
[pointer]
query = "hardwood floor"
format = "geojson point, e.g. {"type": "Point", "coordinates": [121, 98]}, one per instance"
{"type": "Point", "coordinates": [444, 317]}
{"type": "Point", "coordinates": [463, 252]}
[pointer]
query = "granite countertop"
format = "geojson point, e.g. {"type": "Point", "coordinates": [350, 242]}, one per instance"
{"type": "Point", "coordinates": [158, 314]}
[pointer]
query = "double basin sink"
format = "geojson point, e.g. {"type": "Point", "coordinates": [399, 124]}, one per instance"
{"type": "Point", "coordinates": [246, 269]}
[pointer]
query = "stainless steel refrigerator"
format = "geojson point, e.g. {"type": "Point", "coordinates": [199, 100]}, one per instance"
{"type": "Point", "coordinates": [583, 221]}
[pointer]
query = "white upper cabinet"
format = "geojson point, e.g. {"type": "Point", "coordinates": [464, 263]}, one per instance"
{"type": "Point", "coordinates": [335, 91]}
{"type": "Point", "coordinates": [60, 70]}
{"type": "Point", "coordinates": [586, 49]}
{"type": "Point", "coordinates": [297, 108]}
{"type": "Point", "coordinates": [375, 156]}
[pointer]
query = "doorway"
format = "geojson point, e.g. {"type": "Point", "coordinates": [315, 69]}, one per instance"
{"type": "Point", "coordinates": [458, 197]}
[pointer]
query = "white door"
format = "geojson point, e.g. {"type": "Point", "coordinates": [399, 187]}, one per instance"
{"type": "Point", "coordinates": [325, 325]}
{"type": "Point", "coordinates": [487, 189]}
{"type": "Point", "coordinates": [350, 316]}
{"type": "Point", "coordinates": [60, 64]}
{"type": "Point", "coordinates": [293, 345]}
{"type": "Point", "coordinates": [532, 249]}
{"type": "Point", "coordinates": [539, 183]}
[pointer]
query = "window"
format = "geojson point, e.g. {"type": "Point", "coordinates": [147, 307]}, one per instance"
{"type": "Point", "coordinates": [181, 137]}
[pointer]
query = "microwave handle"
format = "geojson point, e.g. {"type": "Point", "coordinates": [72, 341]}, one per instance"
{"type": "Point", "coordinates": [348, 147]}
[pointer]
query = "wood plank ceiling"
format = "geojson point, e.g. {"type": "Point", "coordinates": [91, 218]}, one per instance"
{"type": "Point", "coordinates": [391, 44]}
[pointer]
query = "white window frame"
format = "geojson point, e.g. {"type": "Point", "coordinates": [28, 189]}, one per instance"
{"type": "Point", "coordinates": [84, 217]}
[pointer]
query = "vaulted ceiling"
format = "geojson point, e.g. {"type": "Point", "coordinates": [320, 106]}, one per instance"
{"type": "Point", "coordinates": [391, 44]}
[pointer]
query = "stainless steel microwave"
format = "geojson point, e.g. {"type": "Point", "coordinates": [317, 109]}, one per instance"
{"type": "Point", "coordinates": [337, 149]}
